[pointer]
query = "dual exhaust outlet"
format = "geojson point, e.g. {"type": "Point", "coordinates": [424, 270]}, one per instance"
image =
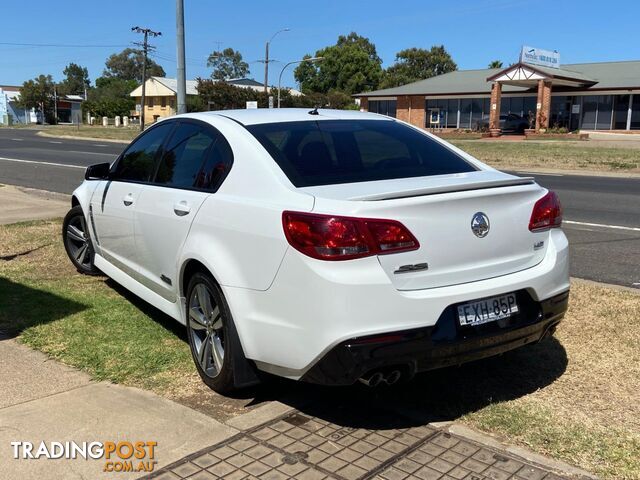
{"type": "Point", "coordinates": [377, 378]}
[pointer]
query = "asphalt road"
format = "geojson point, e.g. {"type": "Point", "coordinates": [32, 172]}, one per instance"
{"type": "Point", "coordinates": [602, 214]}
{"type": "Point", "coordinates": [53, 164]}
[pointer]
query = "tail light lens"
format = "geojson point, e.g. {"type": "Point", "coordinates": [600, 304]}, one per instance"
{"type": "Point", "coordinates": [547, 213]}
{"type": "Point", "coordinates": [328, 237]}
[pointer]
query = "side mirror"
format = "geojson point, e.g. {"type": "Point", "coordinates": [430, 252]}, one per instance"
{"type": "Point", "coordinates": [99, 171]}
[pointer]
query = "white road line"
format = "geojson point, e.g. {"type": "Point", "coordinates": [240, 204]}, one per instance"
{"type": "Point", "coordinates": [92, 153]}
{"type": "Point", "coordinates": [542, 174]}
{"type": "Point", "coordinates": [18, 139]}
{"type": "Point", "coordinates": [99, 145]}
{"type": "Point", "coordinates": [615, 227]}
{"type": "Point", "coordinates": [41, 163]}
{"type": "Point", "coordinates": [50, 141]}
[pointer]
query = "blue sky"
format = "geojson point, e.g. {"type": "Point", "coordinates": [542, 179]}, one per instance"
{"type": "Point", "coordinates": [474, 32]}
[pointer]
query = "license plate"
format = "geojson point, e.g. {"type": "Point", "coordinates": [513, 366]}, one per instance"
{"type": "Point", "coordinates": [487, 309]}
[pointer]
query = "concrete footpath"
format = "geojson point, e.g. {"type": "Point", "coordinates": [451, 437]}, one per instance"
{"type": "Point", "coordinates": [43, 400]}
{"type": "Point", "coordinates": [20, 204]}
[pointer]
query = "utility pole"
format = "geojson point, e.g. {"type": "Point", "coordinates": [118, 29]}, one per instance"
{"type": "Point", "coordinates": [266, 59]}
{"type": "Point", "coordinates": [145, 50]}
{"type": "Point", "coordinates": [55, 105]}
{"type": "Point", "coordinates": [181, 69]}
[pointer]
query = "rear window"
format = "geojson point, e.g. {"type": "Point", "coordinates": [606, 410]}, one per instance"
{"type": "Point", "coordinates": [328, 152]}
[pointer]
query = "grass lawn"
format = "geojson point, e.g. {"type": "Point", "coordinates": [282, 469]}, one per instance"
{"type": "Point", "coordinates": [563, 155]}
{"type": "Point", "coordinates": [86, 131]}
{"type": "Point", "coordinates": [575, 397]}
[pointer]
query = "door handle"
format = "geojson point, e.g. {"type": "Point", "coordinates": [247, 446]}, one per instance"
{"type": "Point", "coordinates": [127, 200]}
{"type": "Point", "coordinates": [181, 208]}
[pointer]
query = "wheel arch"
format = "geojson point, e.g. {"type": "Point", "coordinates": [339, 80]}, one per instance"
{"type": "Point", "coordinates": [244, 373]}
{"type": "Point", "coordinates": [189, 267]}
{"type": "Point", "coordinates": [74, 201]}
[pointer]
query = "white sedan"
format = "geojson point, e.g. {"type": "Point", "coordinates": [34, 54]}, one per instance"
{"type": "Point", "coordinates": [327, 246]}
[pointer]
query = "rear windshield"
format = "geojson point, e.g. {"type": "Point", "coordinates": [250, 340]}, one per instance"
{"type": "Point", "coordinates": [328, 152]}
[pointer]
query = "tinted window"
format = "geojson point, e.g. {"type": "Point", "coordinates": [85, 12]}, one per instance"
{"type": "Point", "coordinates": [184, 156]}
{"type": "Point", "coordinates": [339, 151]}
{"type": "Point", "coordinates": [195, 157]}
{"type": "Point", "coordinates": [216, 166]}
{"type": "Point", "coordinates": [138, 161]}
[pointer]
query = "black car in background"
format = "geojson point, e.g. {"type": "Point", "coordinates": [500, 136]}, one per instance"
{"type": "Point", "coordinates": [509, 123]}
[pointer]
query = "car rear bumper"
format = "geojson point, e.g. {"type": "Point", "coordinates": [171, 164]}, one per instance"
{"type": "Point", "coordinates": [444, 344]}
{"type": "Point", "coordinates": [313, 307]}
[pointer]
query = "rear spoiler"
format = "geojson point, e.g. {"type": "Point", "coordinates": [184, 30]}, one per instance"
{"type": "Point", "coordinates": [463, 187]}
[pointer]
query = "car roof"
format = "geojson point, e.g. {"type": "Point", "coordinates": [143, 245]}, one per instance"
{"type": "Point", "coordinates": [277, 115]}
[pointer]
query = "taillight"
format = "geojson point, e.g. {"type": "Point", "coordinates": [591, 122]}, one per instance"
{"type": "Point", "coordinates": [329, 237]}
{"type": "Point", "coordinates": [547, 213]}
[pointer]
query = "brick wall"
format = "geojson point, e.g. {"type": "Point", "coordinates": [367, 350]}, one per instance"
{"type": "Point", "coordinates": [417, 117]}
{"type": "Point", "coordinates": [402, 108]}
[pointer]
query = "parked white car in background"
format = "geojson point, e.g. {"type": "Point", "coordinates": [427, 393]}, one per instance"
{"type": "Point", "coordinates": [328, 246]}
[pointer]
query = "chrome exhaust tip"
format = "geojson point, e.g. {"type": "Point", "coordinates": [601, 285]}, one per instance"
{"type": "Point", "coordinates": [393, 377]}
{"type": "Point", "coordinates": [372, 380]}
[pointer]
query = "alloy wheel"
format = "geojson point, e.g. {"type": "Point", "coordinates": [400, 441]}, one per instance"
{"type": "Point", "coordinates": [206, 330]}
{"type": "Point", "coordinates": [78, 241]}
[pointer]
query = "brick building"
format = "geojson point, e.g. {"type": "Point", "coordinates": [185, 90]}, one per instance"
{"type": "Point", "coordinates": [586, 96]}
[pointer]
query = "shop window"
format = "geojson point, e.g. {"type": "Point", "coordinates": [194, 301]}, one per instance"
{"type": "Point", "coordinates": [589, 111]}
{"type": "Point", "coordinates": [635, 112]}
{"type": "Point", "coordinates": [383, 107]}
{"type": "Point", "coordinates": [620, 111]}
{"type": "Point", "coordinates": [163, 102]}
{"type": "Point", "coordinates": [605, 107]}
{"type": "Point", "coordinates": [465, 112]}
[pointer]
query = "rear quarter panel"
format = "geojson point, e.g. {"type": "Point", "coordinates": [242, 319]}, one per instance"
{"type": "Point", "coordinates": [237, 233]}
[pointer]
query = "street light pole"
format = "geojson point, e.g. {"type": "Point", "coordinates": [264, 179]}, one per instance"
{"type": "Point", "coordinates": [312, 59]}
{"type": "Point", "coordinates": [266, 59]}
{"type": "Point", "coordinates": [181, 69]}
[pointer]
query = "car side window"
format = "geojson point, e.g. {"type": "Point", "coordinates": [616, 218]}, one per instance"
{"type": "Point", "coordinates": [184, 155]}
{"type": "Point", "coordinates": [216, 166]}
{"type": "Point", "coordinates": [138, 161]}
{"type": "Point", "coordinates": [196, 157]}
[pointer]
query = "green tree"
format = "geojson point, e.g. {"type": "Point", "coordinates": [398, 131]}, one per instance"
{"type": "Point", "coordinates": [352, 65]}
{"type": "Point", "coordinates": [76, 81]}
{"type": "Point", "coordinates": [227, 64]}
{"type": "Point", "coordinates": [495, 64]}
{"type": "Point", "coordinates": [110, 97]}
{"type": "Point", "coordinates": [413, 64]}
{"type": "Point", "coordinates": [38, 94]}
{"type": "Point", "coordinates": [223, 96]}
{"type": "Point", "coordinates": [127, 65]}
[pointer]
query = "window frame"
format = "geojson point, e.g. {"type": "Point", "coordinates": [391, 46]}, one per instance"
{"type": "Point", "coordinates": [154, 169]}
{"type": "Point", "coordinates": [210, 129]}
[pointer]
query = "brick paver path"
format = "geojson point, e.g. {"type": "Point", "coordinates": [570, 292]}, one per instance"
{"type": "Point", "coordinates": [310, 448]}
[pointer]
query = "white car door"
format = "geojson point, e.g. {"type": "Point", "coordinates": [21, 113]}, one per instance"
{"type": "Point", "coordinates": [193, 163]}
{"type": "Point", "coordinates": [114, 202]}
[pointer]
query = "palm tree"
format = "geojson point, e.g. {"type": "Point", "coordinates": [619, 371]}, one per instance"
{"type": "Point", "coordinates": [495, 64]}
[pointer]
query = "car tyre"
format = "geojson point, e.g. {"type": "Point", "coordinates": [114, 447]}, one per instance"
{"type": "Point", "coordinates": [210, 332]}
{"type": "Point", "coordinates": [77, 241]}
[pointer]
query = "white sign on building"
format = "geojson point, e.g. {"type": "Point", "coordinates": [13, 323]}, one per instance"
{"type": "Point", "coordinates": [538, 56]}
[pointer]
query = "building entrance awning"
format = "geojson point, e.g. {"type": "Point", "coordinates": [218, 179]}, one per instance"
{"type": "Point", "coordinates": [526, 75]}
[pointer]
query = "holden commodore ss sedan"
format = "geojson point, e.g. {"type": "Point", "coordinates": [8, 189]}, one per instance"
{"type": "Point", "coordinates": [326, 246]}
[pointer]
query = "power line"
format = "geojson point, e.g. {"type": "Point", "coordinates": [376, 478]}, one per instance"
{"type": "Point", "coordinates": [59, 45]}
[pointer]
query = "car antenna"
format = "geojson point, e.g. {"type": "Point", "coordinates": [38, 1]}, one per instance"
{"type": "Point", "coordinates": [314, 111]}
